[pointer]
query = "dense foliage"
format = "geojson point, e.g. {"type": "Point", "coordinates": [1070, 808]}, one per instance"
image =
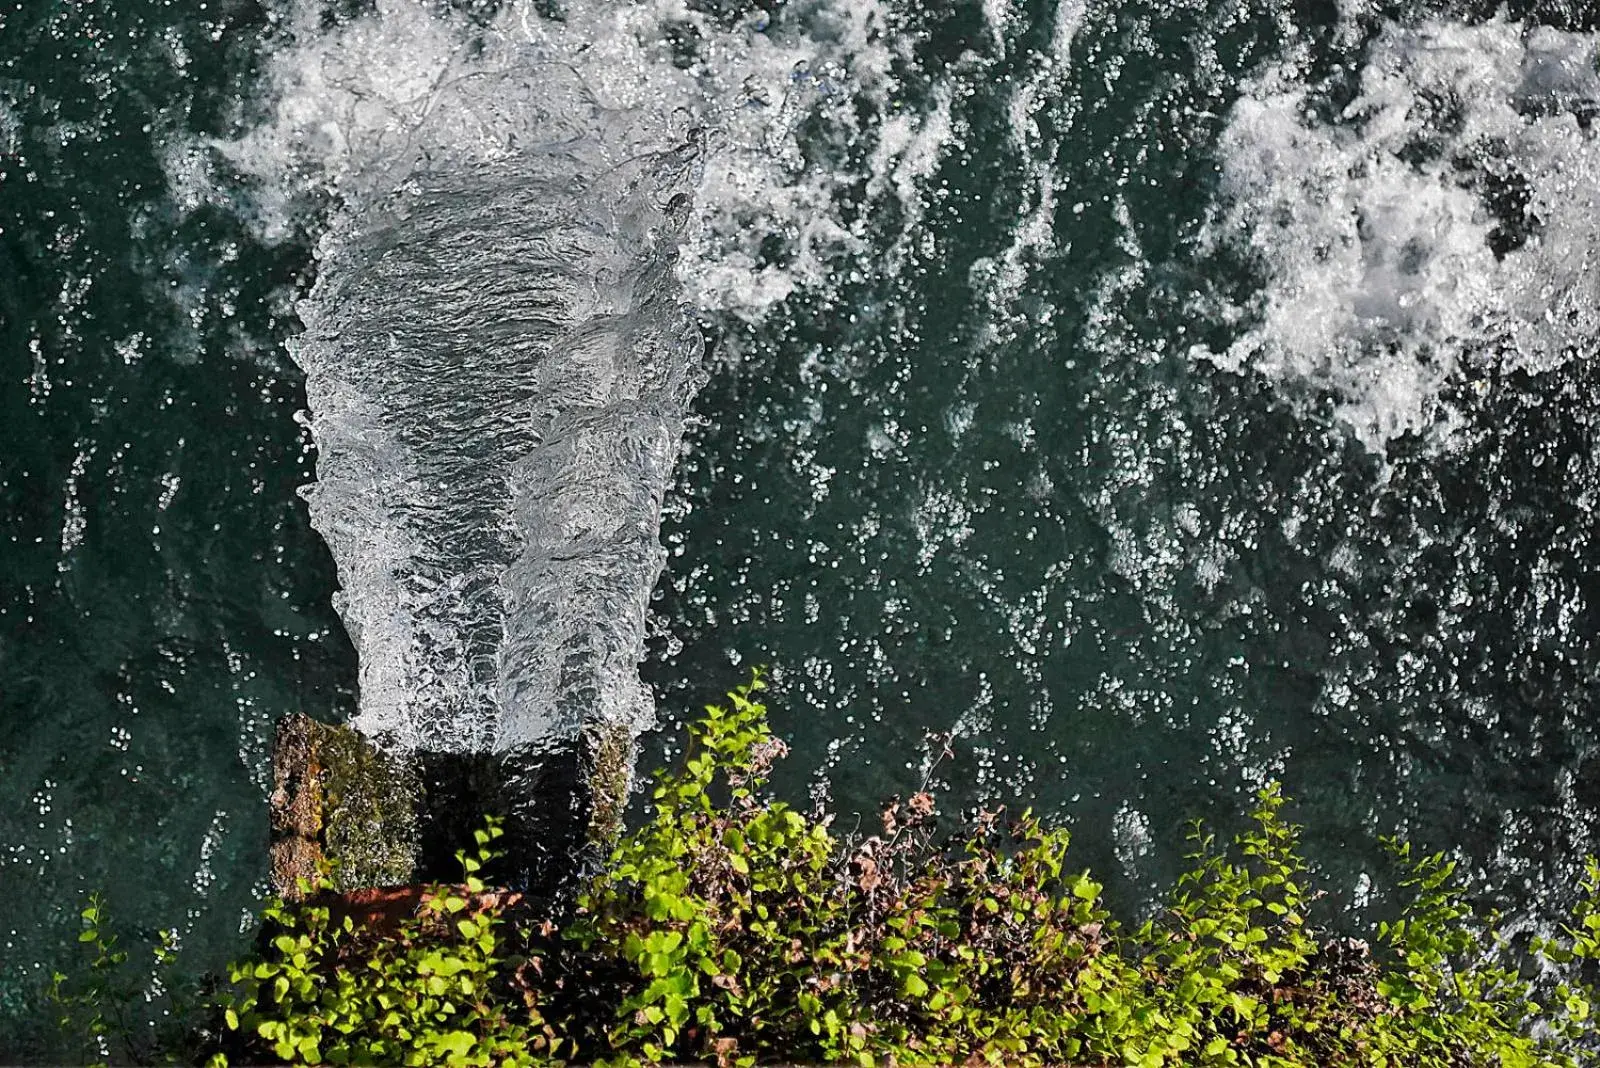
{"type": "Point", "coordinates": [732, 928]}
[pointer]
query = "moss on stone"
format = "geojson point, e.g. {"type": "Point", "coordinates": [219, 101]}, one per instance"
{"type": "Point", "coordinates": [338, 797]}
{"type": "Point", "coordinates": [611, 752]}
{"type": "Point", "coordinates": [369, 812]}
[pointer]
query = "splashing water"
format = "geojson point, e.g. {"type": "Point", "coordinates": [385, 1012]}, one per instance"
{"type": "Point", "coordinates": [1161, 395]}
{"type": "Point", "coordinates": [1222, 423]}
{"type": "Point", "coordinates": [498, 360]}
{"type": "Point", "coordinates": [1438, 222]}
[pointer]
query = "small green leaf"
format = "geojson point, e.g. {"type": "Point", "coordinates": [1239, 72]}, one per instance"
{"type": "Point", "coordinates": [455, 1043]}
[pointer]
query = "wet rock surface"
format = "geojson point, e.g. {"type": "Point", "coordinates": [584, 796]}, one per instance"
{"type": "Point", "coordinates": [386, 820]}
{"type": "Point", "coordinates": [337, 797]}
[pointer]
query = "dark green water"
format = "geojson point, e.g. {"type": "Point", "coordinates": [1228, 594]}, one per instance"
{"type": "Point", "coordinates": [1154, 444]}
{"type": "Point", "coordinates": [163, 600]}
{"type": "Point", "coordinates": [1135, 587]}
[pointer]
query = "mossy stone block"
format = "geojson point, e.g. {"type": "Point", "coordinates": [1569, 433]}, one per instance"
{"type": "Point", "coordinates": [338, 797]}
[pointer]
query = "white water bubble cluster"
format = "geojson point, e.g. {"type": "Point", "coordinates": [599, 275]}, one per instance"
{"type": "Point", "coordinates": [1434, 230]}
{"type": "Point", "coordinates": [351, 110]}
{"type": "Point", "coordinates": [494, 439]}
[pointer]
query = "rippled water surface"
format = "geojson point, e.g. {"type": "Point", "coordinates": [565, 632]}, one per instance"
{"type": "Point", "coordinates": [1162, 397]}
{"type": "Point", "coordinates": [162, 599]}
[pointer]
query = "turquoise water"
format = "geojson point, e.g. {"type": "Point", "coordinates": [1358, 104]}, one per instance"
{"type": "Point", "coordinates": [1161, 397]}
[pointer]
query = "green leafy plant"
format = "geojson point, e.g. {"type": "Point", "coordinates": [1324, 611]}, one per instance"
{"type": "Point", "coordinates": [732, 928]}
{"type": "Point", "coordinates": [95, 1004]}
{"type": "Point", "coordinates": [336, 992]}
{"type": "Point", "coordinates": [91, 1009]}
{"type": "Point", "coordinates": [743, 929]}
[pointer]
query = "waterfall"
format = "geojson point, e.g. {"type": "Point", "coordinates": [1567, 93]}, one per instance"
{"type": "Point", "coordinates": [515, 212]}
{"type": "Point", "coordinates": [499, 368]}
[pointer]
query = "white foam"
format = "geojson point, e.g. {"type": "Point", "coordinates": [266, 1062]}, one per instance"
{"type": "Point", "coordinates": [798, 111]}
{"type": "Point", "coordinates": [1000, 279]}
{"type": "Point", "coordinates": [10, 130]}
{"type": "Point", "coordinates": [1375, 231]}
{"type": "Point", "coordinates": [497, 366]}
{"type": "Point", "coordinates": [998, 16]}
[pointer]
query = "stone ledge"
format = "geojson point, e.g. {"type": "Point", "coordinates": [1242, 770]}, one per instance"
{"type": "Point", "coordinates": [386, 820]}
{"type": "Point", "coordinates": [338, 797]}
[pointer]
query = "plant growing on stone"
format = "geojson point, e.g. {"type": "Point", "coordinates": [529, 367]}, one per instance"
{"type": "Point", "coordinates": [731, 928]}
{"type": "Point", "coordinates": [745, 930]}
{"type": "Point", "coordinates": [330, 990]}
